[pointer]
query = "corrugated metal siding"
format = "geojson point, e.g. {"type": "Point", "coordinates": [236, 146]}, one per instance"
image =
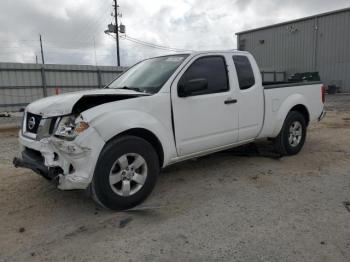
{"type": "Point", "coordinates": [305, 49]}
{"type": "Point", "coordinates": [333, 50]}
{"type": "Point", "coordinates": [282, 49]}
{"type": "Point", "coordinates": [21, 84]}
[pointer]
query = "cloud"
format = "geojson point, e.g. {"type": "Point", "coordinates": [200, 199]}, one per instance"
{"type": "Point", "coordinates": [69, 27]}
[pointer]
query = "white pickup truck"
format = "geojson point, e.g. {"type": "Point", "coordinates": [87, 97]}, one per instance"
{"type": "Point", "coordinates": [114, 141]}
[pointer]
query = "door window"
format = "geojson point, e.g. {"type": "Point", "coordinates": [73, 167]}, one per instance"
{"type": "Point", "coordinates": [244, 72]}
{"type": "Point", "coordinates": [210, 68]}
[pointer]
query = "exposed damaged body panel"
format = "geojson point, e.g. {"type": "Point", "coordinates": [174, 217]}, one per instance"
{"type": "Point", "coordinates": [90, 101]}
{"type": "Point", "coordinates": [80, 101]}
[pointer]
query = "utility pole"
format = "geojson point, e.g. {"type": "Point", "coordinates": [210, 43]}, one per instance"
{"type": "Point", "coordinates": [95, 52]}
{"type": "Point", "coordinates": [42, 51]}
{"type": "Point", "coordinates": [116, 28]}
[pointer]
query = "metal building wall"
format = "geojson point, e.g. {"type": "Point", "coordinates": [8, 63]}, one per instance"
{"type": "Point", "coordinates": [333, 49]}
{"type": "Point", "coordinates": [21, 84]}
{"type": "Point", "coordinates": [320, 43]}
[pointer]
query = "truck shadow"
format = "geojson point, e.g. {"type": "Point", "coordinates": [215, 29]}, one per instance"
{"type": "Point", "coordinates": [173, 175]}
{"type": "Point", "coordinates": [263, 149]}
{"type": "Point", "coordinates": [219, 164]}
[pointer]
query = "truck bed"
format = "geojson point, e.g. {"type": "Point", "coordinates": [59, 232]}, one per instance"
{"type": "Point", "coordinates": [280, 98]}
{"type": "Point", "coordinates": [271, 85]}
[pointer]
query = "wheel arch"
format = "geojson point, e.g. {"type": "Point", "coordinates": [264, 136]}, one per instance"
{"type": "Point", "coordinates": [297, 107]}
{"type": "Point", "coordinates": [147, 135]}
{"type": "Point", "coordinates": [303, 111]}
{"type": "Point", "coordinates": [296, 102]}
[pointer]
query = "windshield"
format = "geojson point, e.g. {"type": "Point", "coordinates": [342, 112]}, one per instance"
{"type": "Point", "coordinates": [150, 75]}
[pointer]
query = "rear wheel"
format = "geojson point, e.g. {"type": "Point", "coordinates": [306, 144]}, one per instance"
{"type": "Point", "coordinates": [292, 136]}
{"type": "Point", "coordinates": [125, 174]}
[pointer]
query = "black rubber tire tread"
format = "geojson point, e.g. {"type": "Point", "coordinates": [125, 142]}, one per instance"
{"type": "Point", "coordinates": [281, 143]}
{"type": "Point", "coordinates": [101, 191]}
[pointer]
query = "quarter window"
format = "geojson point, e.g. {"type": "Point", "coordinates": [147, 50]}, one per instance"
{"type": "Point", "coordinates": [244, 72]}
{"type": "Point", "coordinates": [211, 68]}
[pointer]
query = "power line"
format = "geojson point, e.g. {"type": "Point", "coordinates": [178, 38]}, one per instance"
{"type": "Point", "coordinates": [51, 49]}
{"type": "Point", "coordinates": [100, 14]}
{"type": "Point", "coordinates": [160, 46]}
{"type": "Point", "coordinates": [57, 50]}
{"type": "Point", "coordinates": [19, 40]}
{"type": "Point", "coordinates": [148, 45]}
{"type": "Point", "coordinates": [88, 34]}
{"type": "Point", "coordinates": [156, 46]}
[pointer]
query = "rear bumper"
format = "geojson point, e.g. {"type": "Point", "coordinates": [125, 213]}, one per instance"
{"type": "Point", "coordinates": [322, 115]}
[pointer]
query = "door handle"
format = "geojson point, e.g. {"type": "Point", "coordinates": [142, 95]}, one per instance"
{"type": "Point", "coordinates": [230, 101]}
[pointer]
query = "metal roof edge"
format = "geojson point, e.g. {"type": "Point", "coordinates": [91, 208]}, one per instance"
{"type": "Point", "coordinates": [295, 20]}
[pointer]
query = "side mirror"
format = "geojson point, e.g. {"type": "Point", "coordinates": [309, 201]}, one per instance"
{"type": "Point", "coordinates": [191, 86]}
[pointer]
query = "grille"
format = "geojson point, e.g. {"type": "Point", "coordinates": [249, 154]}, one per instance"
{"type": "Point", "coordinates": [32, 123]}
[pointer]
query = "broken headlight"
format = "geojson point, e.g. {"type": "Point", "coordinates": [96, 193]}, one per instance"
{"type": "Point", "coordinates": [70, 126]}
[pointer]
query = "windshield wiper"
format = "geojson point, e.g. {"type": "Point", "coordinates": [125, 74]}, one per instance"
{"type": "Point", "coordinates": [131, 88]}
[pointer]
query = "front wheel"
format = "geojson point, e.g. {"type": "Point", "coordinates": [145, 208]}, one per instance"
{"type": "Point", "coordinates": [292, 136]}
{"type": "Point", "coordinates": [125, 174]}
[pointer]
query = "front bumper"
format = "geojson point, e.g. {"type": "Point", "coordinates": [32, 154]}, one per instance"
{"type": "Point", "coordinates": [33, 160]}
{"type": "Point", "coordinates": [70, 163]}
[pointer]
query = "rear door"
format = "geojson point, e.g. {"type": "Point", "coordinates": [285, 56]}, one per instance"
{"type": "Point", "coordinates": [250, 96]}
{"type": "Point", "coordinates": [208, 118]}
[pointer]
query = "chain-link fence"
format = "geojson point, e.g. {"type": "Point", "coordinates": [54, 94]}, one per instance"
{"type": "Point", "coordinates": [21, 84]}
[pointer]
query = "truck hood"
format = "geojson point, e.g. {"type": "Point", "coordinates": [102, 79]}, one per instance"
{"type": "Point", "coordinates": [77, 102]}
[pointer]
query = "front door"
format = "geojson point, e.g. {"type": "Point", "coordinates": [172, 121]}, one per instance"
{"type": "Point", "coordinates": [205, 118]}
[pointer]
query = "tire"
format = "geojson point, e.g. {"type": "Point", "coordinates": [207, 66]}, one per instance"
{"type": "Point", "coordinates": [292, 136]}
{"type": "Point", "coordinates": [125, 174]}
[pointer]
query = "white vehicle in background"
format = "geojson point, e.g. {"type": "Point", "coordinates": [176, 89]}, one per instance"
{"type": "Point", "coordinates": [114, 141]}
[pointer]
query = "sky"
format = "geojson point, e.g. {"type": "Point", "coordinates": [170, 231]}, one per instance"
{"type": "Point", "coordinates": [73, 30]}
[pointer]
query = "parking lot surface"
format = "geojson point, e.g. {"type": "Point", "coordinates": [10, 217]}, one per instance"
{"type": "Point", "coordinates": [245, 204]}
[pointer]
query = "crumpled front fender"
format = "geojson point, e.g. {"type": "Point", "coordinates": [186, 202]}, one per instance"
{"type": "Point", "coordinates": [113, 123]}
{"type": "Point", "coordinates": [76, 158]}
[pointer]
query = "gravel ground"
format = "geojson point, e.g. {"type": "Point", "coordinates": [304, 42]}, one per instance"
{"type": "Point", "coordinates": [10, 119]}
{"type": "Point", "coordinates": [238, 205]}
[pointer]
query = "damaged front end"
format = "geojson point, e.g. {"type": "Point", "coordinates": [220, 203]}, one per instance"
{"type": "Point", "coordinates": [65, 153]}
{"type": "Point", "coordinates": [58, 143]}
{"type": "Point", "coordinates": [33, 160]}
